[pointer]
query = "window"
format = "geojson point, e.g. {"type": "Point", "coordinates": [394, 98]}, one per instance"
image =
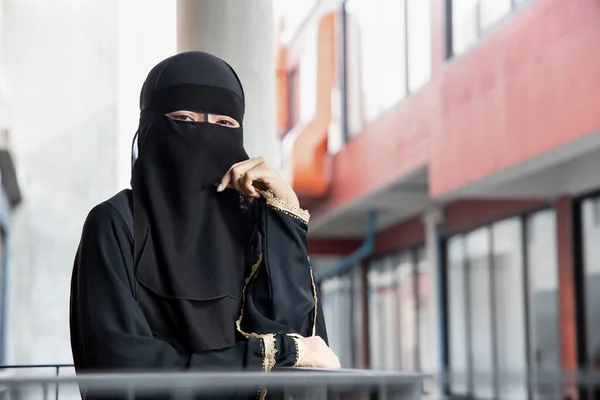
{"type": "Point", "coordinates": [509, 304]}
{"type": "Point", "coordinates": [471, 18]}
{"type": "Point", "coordinates": [542, 277]}
{"type": "Point", "coordinates": [406, 301]}
{"type": "Point", "coordinates": [464, 24]}
{"type": "Point", "coordinates": [382, 62]}
{"type": "Point", "coordinates": [425, 307]}
{"type": "Point", "coordinates": [491, 11]}
{"type": "Point", "coordinates": [419, 43]}
{"type": "Point", "coordinates": [383, 315]}
{"type": "Point", "coordinates": [307, 86]}
{"type": "Point", "coordinates": [477, 246]}
{"type": "Point", "coordinates": [341, 300]}
{"type": "Point", "coordinates": [337, 309]}
{"type": "Point", "coordinates": [388, 55]}
{"type": "Point", "coordinates": [457, 315]}
{"type": "Point", "coordinates": [489, 301]}
{"type": "Point", "coordinates": [591, 261]}
{"type": "Point", "coordinates": [398, 320]}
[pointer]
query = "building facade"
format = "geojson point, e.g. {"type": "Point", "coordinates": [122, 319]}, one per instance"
{"type": "Point", "coordinates": [448, 152]}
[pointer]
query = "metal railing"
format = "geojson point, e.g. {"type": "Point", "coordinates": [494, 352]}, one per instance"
{"type": "Point", "coordinates": [11, 371]}
{"type": "Point", "coordinates": [59, 382]}
{"type": "Point", "coordinates": [288, 383]}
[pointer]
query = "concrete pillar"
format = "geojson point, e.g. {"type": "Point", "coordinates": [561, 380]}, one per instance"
{"type": "Point", "coordinates": [431, 219]}
{"type": "Point", "coordinates": [242, 33]}
{"type": "Point", "coordinates": [141, 46]}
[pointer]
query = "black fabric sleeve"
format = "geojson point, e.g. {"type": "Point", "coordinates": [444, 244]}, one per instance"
{"type": "Point", "coordinates": [108, 329]}
{"type": "Point", "coordinates": [281, 296]}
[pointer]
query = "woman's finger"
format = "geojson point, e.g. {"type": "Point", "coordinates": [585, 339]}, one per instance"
{"type": "Point", "coordinates": [257, 174]}
{"type": "Point", "coordinates": [237, 171]}
{"type": "Point", "coordinates": [248, 185]}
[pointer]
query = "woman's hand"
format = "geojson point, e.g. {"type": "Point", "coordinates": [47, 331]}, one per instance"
{"type": "Point", "coordinates": [317, 354]}
{"type": "Point", "coordinates": [248, 176]}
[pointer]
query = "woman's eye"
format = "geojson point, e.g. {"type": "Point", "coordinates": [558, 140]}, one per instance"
{"type": "Point", "coordinates": [181, 117]}
{"type": "Point", "coordinates": [225, 122]}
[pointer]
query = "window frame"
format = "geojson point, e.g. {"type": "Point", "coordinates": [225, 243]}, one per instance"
{"type": "Point", "coordinates": [481, 33]}
{"type": "Point", "coordinates": [412, 253]}
{"type": "Point", "coordinates": [343, 42]}
{"type": "Point", "coordinates": [462, 233]}
{"type": "Point", "coordinates": [579, 277]}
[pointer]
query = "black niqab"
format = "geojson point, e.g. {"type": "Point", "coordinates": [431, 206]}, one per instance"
{"type": "Point", "coordinates": [190, 241]}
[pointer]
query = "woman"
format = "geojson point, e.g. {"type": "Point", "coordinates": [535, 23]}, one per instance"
{"type": "Point", "coordinates": [213, 272]}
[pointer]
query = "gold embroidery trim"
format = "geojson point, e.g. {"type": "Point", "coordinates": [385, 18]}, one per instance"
{"type": "Point", "coordinates": [286, 208]}
{"type": "Point", "coordinates": [262, 394]}
{"type": "Point", "coordinates": [315, 300]}
{"type": "Point", "coordinates": [270, 351]}
{"type": "Point", "coordinates": [300, 352]}
{"type": "Point", "coordinates": [268, 340]}
{"type": "Point", "coordinates": [238, 323]}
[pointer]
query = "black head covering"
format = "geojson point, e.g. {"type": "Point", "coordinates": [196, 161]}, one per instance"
{"type": "Point", "coordinates": [189, 241]}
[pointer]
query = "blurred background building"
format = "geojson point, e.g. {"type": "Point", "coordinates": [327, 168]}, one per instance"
{"type": "Point", "coordinates": [468, 132]}
{"type": "Point", "coordinates": [448, 151]}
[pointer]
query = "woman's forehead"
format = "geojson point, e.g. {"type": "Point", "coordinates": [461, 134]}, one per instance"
{"type": "Point", "coordinates": [192, 68]}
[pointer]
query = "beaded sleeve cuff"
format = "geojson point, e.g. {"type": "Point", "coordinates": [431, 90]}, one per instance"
{"type": "Point", "coordinates": [300, 353]}
{"type": "Point", "coordinates": [284, 207]}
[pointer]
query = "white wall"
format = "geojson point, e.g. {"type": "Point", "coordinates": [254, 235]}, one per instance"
{"type": "Point", "coordinates": [74, 68]}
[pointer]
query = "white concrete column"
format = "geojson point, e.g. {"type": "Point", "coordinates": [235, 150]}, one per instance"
{"type": "Point", "coordinates": [242, 33]}
{"type": "Point", "coordinates": [143, 41]}
{"type": "Point", "coordinates": [432, 218]}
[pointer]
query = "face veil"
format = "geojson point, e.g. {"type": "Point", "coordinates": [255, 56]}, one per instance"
{"type": "Point", "coordinates": [189, 241]}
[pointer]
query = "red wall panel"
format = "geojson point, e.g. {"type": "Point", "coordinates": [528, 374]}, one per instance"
{"type": "Point", "coordinates": [531, 86]}
{"type": "Point", "coordinates": [469, 214]}
{"type": "Point", "coordinates": [389, 149]}
{"type": "Point", "coordinates": [409, 233]}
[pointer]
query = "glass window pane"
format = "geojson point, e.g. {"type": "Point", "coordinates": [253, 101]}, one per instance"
{"type": "Point", "coordinates": [492, 11]}
{"type": "Point", "coordinates": [542, 277]}
{"type": "Point", "coordinates": [354, 82]}
{"type": "Point", "coordinates": [464, 24]}
{"type": "Point", "coordinates": [383, 315]}
{"type": "Point", "coordinates": [381, 62]}
{"type": "Point", "coordinates": [457, 315]}
{"type": "Point", "coordinates": [479, 301]}
{"type": "Point", "coordinates": [308, 77]}
{"type": "Point", "coordinates": [419, 43]}
{"type": "Point", "coordinates": [406, 332]}
{"type": "Point", "coordinates": [337, 309]}
{"type": "Point", "coordinates": [427, 358]}
{"type": "Point", "coordinates": [359, 359]}
{"type": "Point", "coordinates": [509, 307]}
{"type": "Point", "coordinates": [590, 224]}
{"type": "Point", "coordinates": [392, 318]}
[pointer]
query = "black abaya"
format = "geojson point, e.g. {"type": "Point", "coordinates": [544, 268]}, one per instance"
{"type": "Point", "coordinates": [203, 280]}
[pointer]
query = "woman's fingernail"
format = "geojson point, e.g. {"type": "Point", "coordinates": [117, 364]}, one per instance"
{"type": "Point", "coordinates": [220, 187]}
